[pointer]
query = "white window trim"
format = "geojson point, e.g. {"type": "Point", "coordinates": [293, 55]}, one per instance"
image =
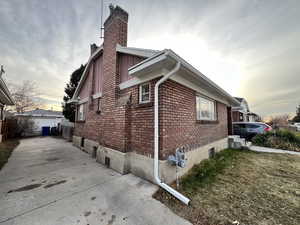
{"type": "Point", "coordinates": [198, 116]}
{"type": "Point", "coordinates": [140, 93]}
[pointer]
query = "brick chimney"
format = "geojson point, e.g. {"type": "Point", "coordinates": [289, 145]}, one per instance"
{"type": "Point", "coordinates": [115, 26]}
{"type": "Point", "coordinates": [115, 32]}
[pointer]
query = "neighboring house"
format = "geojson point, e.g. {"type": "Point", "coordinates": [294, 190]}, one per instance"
{"type": "Point", "coordinates": [253, 117]}
{"type": "Point", "coordinates": [129, 121]}
{"type": "Point", "coordinates": [5, 100]}
{"type": "Point", "coordinates": [41, 118]}
{"type": "Point", "coordinates": [240, 113]}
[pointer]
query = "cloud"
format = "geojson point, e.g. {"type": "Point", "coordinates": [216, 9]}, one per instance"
{"type": "Point", "coordinates": [250, 48]}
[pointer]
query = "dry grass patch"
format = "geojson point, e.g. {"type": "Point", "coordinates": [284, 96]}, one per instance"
{"type": "Point", "coordinates": [251, 188]}
{"type": "Point", "coordinates": [6, 149]}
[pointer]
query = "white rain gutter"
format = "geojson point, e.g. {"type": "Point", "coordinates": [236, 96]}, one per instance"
{"type": "Point", "coordinates": [172, 191]}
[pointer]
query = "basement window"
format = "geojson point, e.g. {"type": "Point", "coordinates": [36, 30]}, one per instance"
{"type": "Point", "coordinates": [206, 109]}
{"type": "Point", "coordinates": [144, 93]}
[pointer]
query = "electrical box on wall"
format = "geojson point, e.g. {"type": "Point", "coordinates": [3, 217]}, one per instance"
{"type": "Point", "coordinates": [178, 159]}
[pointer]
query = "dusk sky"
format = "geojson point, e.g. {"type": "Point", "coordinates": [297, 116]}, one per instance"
{"type": "Point", "coordinates": [250, 48]}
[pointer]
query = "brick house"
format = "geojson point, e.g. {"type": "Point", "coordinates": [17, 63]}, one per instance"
{"type": "Point", "coordinates": [124, 118]}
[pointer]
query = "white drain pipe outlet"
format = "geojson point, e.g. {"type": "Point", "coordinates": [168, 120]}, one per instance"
{"type": "Point", "coordinates": [172, 191]}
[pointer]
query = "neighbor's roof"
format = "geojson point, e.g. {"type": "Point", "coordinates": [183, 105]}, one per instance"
{"type": "Point", "coordinates": [5, 95]}
{"type": "Point", "coordinates": [145, 53]}
{"type": "Point", "coordinates": [41, 113]}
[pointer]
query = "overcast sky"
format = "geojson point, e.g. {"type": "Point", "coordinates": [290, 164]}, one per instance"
{"type": "Point", "coordinates": [250, 48]}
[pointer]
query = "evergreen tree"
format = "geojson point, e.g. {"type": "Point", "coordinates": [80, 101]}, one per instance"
{"type": "Point", "coordinates": [297, 117]}
{"type": "Point", "coordinates": [69, 109]}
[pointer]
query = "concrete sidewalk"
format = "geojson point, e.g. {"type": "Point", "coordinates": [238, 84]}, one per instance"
{"type": "Point", "coordinates": [48, 181]}
{"type": "Point", "coordinates": [272, 150]}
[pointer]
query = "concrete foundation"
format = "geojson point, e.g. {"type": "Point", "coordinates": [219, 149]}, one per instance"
{"type": "Point", "coordinates": [86, 145]}
{"type": "Point", "coordinates": [142, 166]}
{"type": "Point", "coordinates": [114, 159]}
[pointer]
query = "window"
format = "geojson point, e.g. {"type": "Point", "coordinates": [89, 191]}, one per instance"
{"type": "Point", "coordinates": [145, 93]}
{"type": "Point", "coordinates": [80, 112]}
{"type": "Point", "coordinates": [206, 109]}
{"type": "Point", "coordinates": [252, 126]}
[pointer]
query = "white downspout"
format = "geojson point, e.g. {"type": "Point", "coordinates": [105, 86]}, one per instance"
{"type": "Point", "coordinates": [175, 193]}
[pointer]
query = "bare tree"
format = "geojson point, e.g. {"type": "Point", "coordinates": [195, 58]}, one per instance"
{"type": "Point", "coordinates": [279, 121]}
{"type": "Point", "coordinates": [25, 126]}
{"type": "Point", "coordinates": [26, 96]}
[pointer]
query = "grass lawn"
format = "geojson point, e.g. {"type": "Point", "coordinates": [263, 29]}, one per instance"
{"type": "Point", "coordinates": [6, 149]}
{"type": "Point", "coordinates": [239, 185]}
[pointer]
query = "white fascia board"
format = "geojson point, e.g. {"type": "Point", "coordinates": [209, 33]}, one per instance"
{"type": "Point", "coordinates": [136, 51]}
{"type": "Point", "coordinates": [163, 55]}
{"type": "Point", "coordinates": [83, 77]}
{"type": "Point", "coordinates": [97, 95]}
{"type": "Point", "coordinates": [206, 79]}
{"type": "Point", "coordinates": [237, 108]}
{"type": "Point", "coordinates": [139, 80]}
{"type": "Point", "coordinates": [72, 101]}
{"type": "Point", "coordinates": [147, 62]}
{"type": "Point", "coordinates": [84, 100]}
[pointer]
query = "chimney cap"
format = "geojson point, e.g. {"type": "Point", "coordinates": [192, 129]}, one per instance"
{"type": "Point", "coordinates": [116, 11]}
{"type": "Point", "coordinates": [111, 8]}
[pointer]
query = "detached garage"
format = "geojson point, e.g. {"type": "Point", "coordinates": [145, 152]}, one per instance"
{"type": "Point", "coordinates": [38, 119]}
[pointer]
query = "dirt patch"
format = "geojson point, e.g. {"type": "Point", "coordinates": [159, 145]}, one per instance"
{"type": "Point", "coordinates": [87, 213]}
{"type": "Point", "coordinates": [25, 188]}
{"type": "Point", "coordinates": [112, 220]}
{"type": "Point", "coordinates": [253, 189]}
{"type": "Point", "coordinates": [55, 183]}
{"type": "Point", "coordinates": [93, 198]}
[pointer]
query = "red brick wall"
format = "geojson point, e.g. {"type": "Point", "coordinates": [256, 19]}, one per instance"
{"type": "Point", "coordinates": [178, 123]}
{"type": "Point", "coordinates": [126, 125]}
{"type": "Point", "coordinates": [140, 131]}
{"type": "Point", "coordinates": [108, 127]}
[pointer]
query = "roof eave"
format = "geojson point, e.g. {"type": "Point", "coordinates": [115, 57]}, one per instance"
{"type": "Point", "coordinates": [169, 53]}
{"type": "Point", "coordinates": [83, 77]}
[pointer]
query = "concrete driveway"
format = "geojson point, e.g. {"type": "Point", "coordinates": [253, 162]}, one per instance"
{"type": "Point", "coordinates": [49, 181]}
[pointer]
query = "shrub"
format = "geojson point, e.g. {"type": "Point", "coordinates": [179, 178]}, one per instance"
{"type": "Point", "coordinates": [280, 139]}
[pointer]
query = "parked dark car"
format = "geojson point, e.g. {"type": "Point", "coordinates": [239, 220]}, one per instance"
{"type": "Point", "coordinates": [248, 130]}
